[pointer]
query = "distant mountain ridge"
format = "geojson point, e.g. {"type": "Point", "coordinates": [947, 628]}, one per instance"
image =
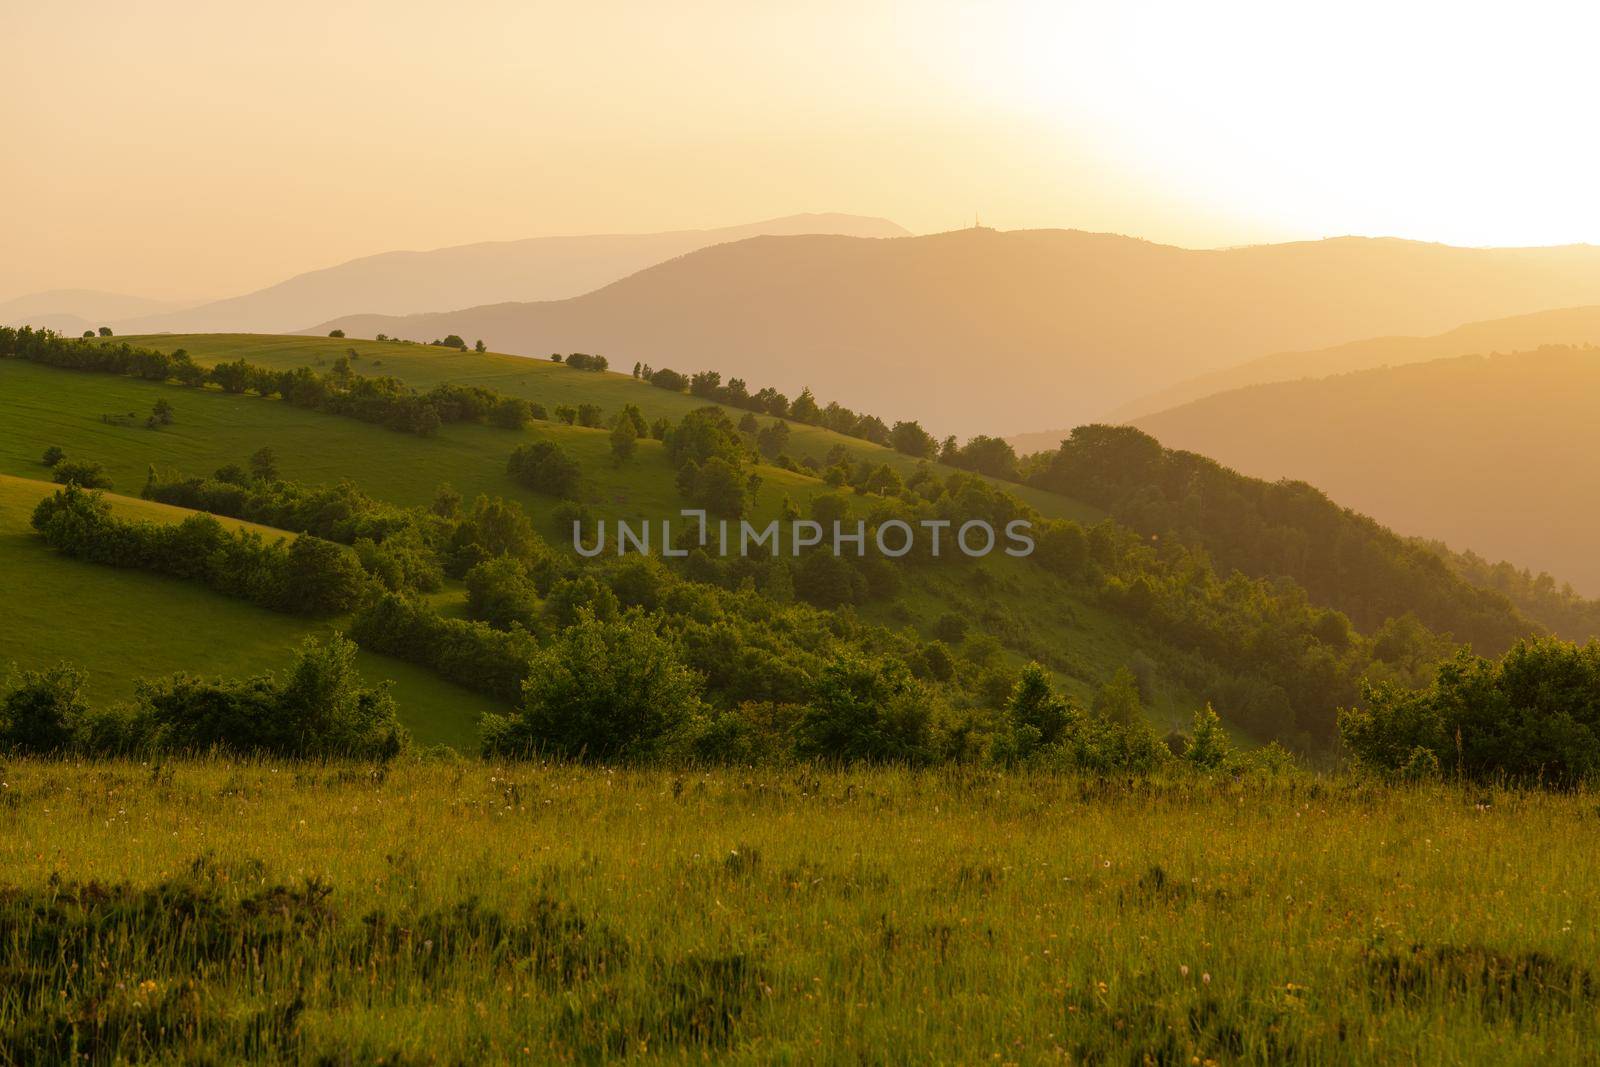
{"type": "Point", "coordinates": [982, 331]}
{"type": "Point", "coordinates": [71, 311]}
{"type": "Point", "coordinates": [1519, 333]}
{"type": "Point", "coordinates": [535, 268]}
{"type": "Point", "coordinates": [1495, 453]}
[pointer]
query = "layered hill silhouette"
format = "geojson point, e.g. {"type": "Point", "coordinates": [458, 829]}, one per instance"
{"type": "Point", "coordinates": [71, 311]}
{"type": "Point", "coordinates": [1492, 452]}
{"type": "Point", "coordinates": [1519, 333]}
{"type": "Point", "coordinates": [538, 268]}
{"type": "Point", "coordinates": [985, 331]}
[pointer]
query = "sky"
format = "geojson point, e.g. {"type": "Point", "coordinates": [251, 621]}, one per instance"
{"type": "Point", "coordinates": [187, 150]}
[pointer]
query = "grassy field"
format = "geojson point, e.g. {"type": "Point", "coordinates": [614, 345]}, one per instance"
{"type": "Point", "coordinates": [468, 913]}
{"type": "Point", "coordinates": [122, 626]}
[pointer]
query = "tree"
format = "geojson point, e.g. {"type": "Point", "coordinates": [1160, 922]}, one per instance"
{"type": "Point", "coordinates": [88, 333]}
{"type": "Point", "coordinates": [53, 455]}
{"type": "Point", "coordinates": [1118, 701]}
{"type": "Point", "coordinates": [1209, 747]}
{"type": "Point", "coordinates": [480, 346]}
{"type": "Point", "coordinates": [41, 713]}
{"type": "Point", "coordinates": [511, 413]}
{"type": "Point", "coordinates": [264, 464]}
{"type": "Point", "coordinates": [600, 691]}
{"type": "Point", "coordinates": [105, 331]}
{"type": "Point", "coordinates": [804, 408]}
{"type": "Point", "coordinates": [161, 413]}
{"type": "Point", "coordinates": [720, 488]}
{"type": "Point", "coordinates": [500, 593]}
{"type": "Point", "coordinates": [446, 502]}
{"type": "Point", "coordinates": [545, 467]}
{"type": "Point", "coordinates": [773, 440]}
{"type": "Point", "coordinates": [624, 440]}
{"type": "Point", "coordinates": [81, 473]}
{"type": "Point", "coordinates": [320, 578]}
{"type": "Point", "coordinates": [867, 710]}
{"type": "Point", "coordinates": [912, 440]}
{"type": "Point", "coordinates": [1034, 703]}
{"type": "Point", "coordinates": [335, 333]}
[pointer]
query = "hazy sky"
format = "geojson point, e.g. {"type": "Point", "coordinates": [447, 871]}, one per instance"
{"type": "Point", "coordinates": [202, 149]}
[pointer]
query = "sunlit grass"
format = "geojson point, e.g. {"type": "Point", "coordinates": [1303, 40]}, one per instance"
{"type": "Point", "coordinates": [810, 916]}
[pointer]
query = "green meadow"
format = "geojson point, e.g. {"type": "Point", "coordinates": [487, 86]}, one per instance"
{"type": "Point", "coordinates": [480, 913]}
{"type": "Point", "coordinates": [123, 626]}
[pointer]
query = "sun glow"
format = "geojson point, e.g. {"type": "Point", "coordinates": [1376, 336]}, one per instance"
{"type": "Point", "coordinates": [1445, 122]}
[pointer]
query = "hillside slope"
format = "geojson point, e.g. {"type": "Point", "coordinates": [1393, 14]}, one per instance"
{"type": "Point", "coordinates": [1491, 453]}
{"type": "Point", "coordinates": [983, 331]}
{"type": "Point", "coordinates": [122, 626]}
{"type": "Point", "coordinates": [1519, 333]}
{"type": "Point", "coordinates": [537, 268]}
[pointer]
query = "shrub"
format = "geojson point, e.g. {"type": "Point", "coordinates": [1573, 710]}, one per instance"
{"type": "Point", "coordinates": [471, 654]}
{"type": "Point", "coordinates": [320, 709]}
{"type": "Point", "coordinates": [867, 711]}
{"type": "Point", "coordinates": [81, 473]}
{"type": "Point", "coordinates": [1532, 715]}
{"type": "Point", "coordinates": [545, 467]}
{"type": "Point", "coordinates": [42, 712]}
{"type": "Point", "coordinates": [500, 593]}
{"type": "Point", "coordinates": [53, 455]}
{"type": "Point", "coordinates": [602, 690]}
{"type": "Point", "coordinates": [1209, 747]}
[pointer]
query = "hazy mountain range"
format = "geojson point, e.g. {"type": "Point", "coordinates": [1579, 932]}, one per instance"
{"type": "Point", "coordinates": [538, 268]}
{"type": "Point", "coordinates": [71, 311]}
{"type": "Point", "coordinates": [1495, 453]}
{"type": "Point", "coordinates": [985, 331]}
{"type": "Point", "coordinates": [1520, 333]}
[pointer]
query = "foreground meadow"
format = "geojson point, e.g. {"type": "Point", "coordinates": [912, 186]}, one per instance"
{"type": "Point", "coordinates": [461, 912]}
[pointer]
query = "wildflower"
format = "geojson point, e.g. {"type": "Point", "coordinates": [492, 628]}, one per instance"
{"type": "Point", "coordinates": [1206, 977]}
{"type": "Point", "coordinates": [1183, 969]}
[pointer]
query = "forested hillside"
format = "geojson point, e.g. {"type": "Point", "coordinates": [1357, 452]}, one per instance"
{"type": "Point", "coordinates": [460, 495]}
{"type": "Point", "coordinates": [1487, 453]}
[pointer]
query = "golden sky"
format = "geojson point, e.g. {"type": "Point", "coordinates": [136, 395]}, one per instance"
{"type": "Point", "coordinates": [202, 149]}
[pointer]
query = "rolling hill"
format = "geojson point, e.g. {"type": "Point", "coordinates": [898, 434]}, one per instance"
{"type": "Point", "coordinates": [1519, 333]}
{"type": "Point", "coordinates": [1488, 452]}
{"type": "Point", "coordinates": [537, 268]}
{"type": "Point", "coordinates": [1277, 656]}
{"type": "Point", "coordinates": [122, 626]}
{"type": "Point", "coordinates": [983, 331]}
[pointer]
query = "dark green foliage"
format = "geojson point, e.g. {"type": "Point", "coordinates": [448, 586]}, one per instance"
{"type": "Point", "coordinates": [80, 473]}
{"type": "Point", "coordinates": [320, 578]}
{"type": "Point", "coordinates": [1033, 704]}
{"type": "Point", "coordinates": [1533, 715]}
{"type": "Point", "coordinates": [309, 577]}
{"type": "Point", "coordinates": [603, 690]}
{"type": "Point", "coordinates": [866, 711]}
{"type": "Point", "coordinates": [43, 711]}
{"type": "Point", "coordinates": [911, 439]}
{"type": "Point", "coordinates": [493, 528]}
{"type": "Point", "coordinates": [471, 654]}
{"type": "Point", "coordinates": [53, 455]}
{"type": "Point", "coordinates": [1343, 560]}
{"type": "Point", "coordinates": [545, 467]}
{"type": "Point", "coordinates": [320, 709]}
{"type": "Point", "coordinates": [670, 380]}
{"type": "Point", "coordinates": [500, 593]}
{"type": "Point", "coordinates": [585, 361]}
